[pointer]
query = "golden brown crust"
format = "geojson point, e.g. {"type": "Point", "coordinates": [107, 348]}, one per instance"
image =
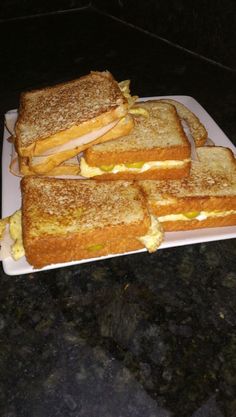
{"type": "Point", "coordinates": [67, 250]}
{"type": "Point", "coordinates": [172, 226]}
{"type": "Point", "coordinates": [157, 137]}
{"type": "Point", "coordinates": [151, 174]}
{"type": "Point", "coordinates": [188, 204]}
{"type": "Point", "coordinates": [136, 155]}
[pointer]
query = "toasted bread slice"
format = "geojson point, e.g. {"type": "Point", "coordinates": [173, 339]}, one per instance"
{"type": "Point", "coordinates": [52, 116]}
{"type": "Point", "coordinates": [207, 198]}
{"type": "Point", "coordinates": [197, 129]}
{"type": "Point", "coordinates": [64, 219]}
{"type": "Point", "coordinates": [156, 147]}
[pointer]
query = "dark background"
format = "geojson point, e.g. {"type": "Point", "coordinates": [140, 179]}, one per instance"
{"type": "Point", "coordinates": [204, 27]}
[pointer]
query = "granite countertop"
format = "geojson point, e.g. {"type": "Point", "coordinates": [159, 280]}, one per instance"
{"type": "Point", "coordinates": [141, 335]}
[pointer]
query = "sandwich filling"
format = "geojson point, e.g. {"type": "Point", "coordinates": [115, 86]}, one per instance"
{"type": "Point", "coordinates": [195, 215]}
{"type": "Point", "coordinates": [11, 237]}
{"type": "Point", "coordinates": [136, 167]}
{"type": "Point", "coordinates": [154, 236]}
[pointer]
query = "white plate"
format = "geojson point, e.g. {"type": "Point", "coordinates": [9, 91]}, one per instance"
{"type": "Point", "coordinates": [11, 196]}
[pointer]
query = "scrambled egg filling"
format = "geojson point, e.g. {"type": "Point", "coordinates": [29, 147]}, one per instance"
{"type": "Point", "coordinates": [15, 228]}
{"type": "Point", "coordinates": [136, 167]}
{"type": "Point", "coordinates": [195, 215]}
{"type": "Point", "coordinates": [3, 225]}
{"type": "Point", "coordinates": [124, 87]}
{"type": "Point", "coordinates": [15, 231]}
{"type": "Point", "coordinates": [154, 236]}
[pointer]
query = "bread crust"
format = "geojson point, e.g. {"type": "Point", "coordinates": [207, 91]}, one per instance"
{"type": "Point", "coordinates": [150, 174]}
{"type": "Point", "coordinates": [188, 204]}
{"type": "Point", "coordinates": [46, 251]}
{"type": "Point", "coordinates": [148, 141]}
{"type": "Point", "coordinates": [173, 226]}
{"type": "Point", "coordinates": [175, 153]}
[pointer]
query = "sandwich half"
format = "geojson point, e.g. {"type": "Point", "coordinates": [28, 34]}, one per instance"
{"type": "Point", "coordinates": [58, 122]}
{"type": "Point", "coordinates": [207, 198]}
{"type": "Point", "coordinates": [67, 220]}
{"type": "Point", "coordinates": [156, 148]}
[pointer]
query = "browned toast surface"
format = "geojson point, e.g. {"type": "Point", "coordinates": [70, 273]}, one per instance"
{"type": "Point", "coordinates": [47, 111]}
{"type": "Point", "coordinates": [197, 129]}
{"type": "Point", "coordinates": [157, 137]}
{"type": "Point", "coordinates": [59, 213]}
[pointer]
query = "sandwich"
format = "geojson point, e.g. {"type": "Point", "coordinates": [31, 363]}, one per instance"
{"type": "Point", "coordinates": [207, 198]}
{"type": "Point", "coordinates": [67, 220]}
{"type": "Point", "coordinates": [58, 122]}
{"type": "Point", "coordinates": [156, 148]}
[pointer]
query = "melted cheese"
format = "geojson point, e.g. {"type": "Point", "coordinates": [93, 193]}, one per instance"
{"type": "Point", "coordinates": [202, 215]}
{"type": "Point", "coordinates": [91, 171]}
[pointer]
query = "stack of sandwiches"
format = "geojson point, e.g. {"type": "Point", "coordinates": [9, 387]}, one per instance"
{"type": "Point", "coordinates": [138, 173]}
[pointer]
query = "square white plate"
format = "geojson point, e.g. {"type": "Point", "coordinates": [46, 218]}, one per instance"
{"type": "Point", "coordinates": [11, 196]}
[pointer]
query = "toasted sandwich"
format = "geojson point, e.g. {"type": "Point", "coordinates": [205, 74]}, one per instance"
{"type": "Point", "coordinates": [207, 198]}
{"type": "Point", "coordinates": [67, 220]}
{"type": "Point", "coordinates": [156, 148]}
{"type": "Point", "coordinates": [58, 122]}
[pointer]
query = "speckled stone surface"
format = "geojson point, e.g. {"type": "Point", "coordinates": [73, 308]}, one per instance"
{"type": "Point", "coordinates": [141, 335]}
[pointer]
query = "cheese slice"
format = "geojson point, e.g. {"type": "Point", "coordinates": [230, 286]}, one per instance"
{"type": "Point", "coordinates": [91, 171]}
